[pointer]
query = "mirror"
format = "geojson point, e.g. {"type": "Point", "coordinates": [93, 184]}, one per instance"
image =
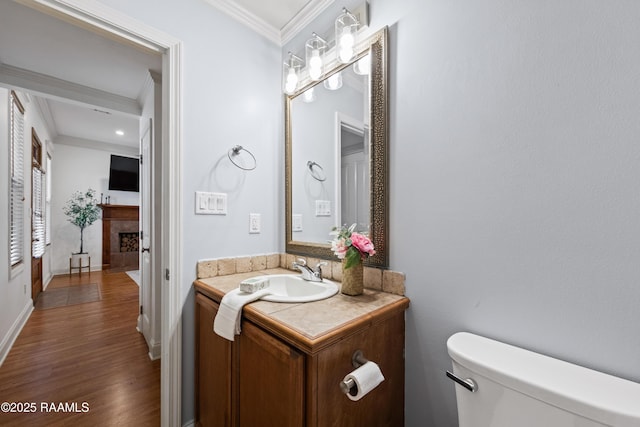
{"type": "Point", "coordinates": [336, 155]}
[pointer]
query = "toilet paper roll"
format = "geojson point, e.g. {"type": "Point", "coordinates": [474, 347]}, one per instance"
{"type": "Point", "coordinates": [366, 377]}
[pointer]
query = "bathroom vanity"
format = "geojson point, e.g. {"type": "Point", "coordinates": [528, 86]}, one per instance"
{"type": "Point", "coordinates": [286, 366]}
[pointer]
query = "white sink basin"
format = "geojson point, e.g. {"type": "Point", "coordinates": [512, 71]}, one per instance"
{"type": "Point", "coordinates": [292, 288]}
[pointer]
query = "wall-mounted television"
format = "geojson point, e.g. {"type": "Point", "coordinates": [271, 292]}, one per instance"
{"type": "Point", "coordinates": [124, 173]}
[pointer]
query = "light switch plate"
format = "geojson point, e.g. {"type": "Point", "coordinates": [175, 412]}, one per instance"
{"type": "Point", "coordinates": [254, 223]}
{"type": "Point", "coordinates": [323, 208]}
{"type": "Point", "coordinates": [296, 222]}
{"type": "Point", "coordinates": [211, 203]}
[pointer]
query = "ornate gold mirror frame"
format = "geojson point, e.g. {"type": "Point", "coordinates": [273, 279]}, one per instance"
{"type": "Point", "coordinates": [376, 46]}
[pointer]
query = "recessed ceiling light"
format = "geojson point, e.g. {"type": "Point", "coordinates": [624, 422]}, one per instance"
{"type": "Point", "coordinates": [119, 132]}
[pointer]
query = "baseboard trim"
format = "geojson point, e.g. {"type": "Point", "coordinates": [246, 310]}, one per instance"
{"type": "Point", "coordinates": [14, 331]}
{"type": "Point", "coordinates": [46, 282]}
{"type": "Point", "coordinates": [155, 351]}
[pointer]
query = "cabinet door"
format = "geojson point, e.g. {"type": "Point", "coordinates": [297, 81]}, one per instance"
{"type": "Point", "coordinates": [271, 381]}
{"type": "Point", "coordinates": [383, 343]}
{"type": "Point", "coordinates": [212, 369]}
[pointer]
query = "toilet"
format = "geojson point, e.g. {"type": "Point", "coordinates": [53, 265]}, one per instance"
{"type": "Point", "coordinates": [499, 385]}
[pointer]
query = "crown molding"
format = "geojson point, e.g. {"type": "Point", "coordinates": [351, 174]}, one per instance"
{"type": "Point", "coordinates": [279, 36]}
{"type": "Point", "coordinates": [46, 85]}
{"type": "Point", "coordinates": [303, 18]}
{"type": "Point", "coordinates": [247, 18]}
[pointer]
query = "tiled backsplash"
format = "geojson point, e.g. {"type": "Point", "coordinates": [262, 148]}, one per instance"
{"type": "Point", "coordinates": [374, 278]}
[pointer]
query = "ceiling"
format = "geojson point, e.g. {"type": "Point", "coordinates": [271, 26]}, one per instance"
{"type": "Point", "coordinates": [84, 105]}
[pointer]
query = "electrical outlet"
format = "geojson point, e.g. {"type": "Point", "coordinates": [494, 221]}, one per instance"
{"type": "Point", "coordinates": [254, 223]}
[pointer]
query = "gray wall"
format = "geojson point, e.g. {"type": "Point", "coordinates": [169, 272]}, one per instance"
{"type": "Point", "coordinates": [515, 174]}
{"type": "Point", "coordinates": [516, 215]}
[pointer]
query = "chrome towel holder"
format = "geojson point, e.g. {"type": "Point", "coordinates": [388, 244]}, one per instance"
{"type": "Point", "coordinates": [318, 173]}
{"type": "Point", "coordinates": [235, 151]}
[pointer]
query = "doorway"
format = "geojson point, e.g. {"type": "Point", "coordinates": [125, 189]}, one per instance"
{"type": "Point", "coordinates": [115, 25]}
{"type": "Point", "coordinates": [352, 175]}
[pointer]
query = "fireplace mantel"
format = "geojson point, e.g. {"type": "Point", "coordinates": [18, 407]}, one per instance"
{"type": "Point", "coordinates": [118, 219]}
{"type": "Point", "coordinates": [120, 212]}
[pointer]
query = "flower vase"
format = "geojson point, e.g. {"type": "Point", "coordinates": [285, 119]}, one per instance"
{"type": "Point", "coordinates": [353, 279]}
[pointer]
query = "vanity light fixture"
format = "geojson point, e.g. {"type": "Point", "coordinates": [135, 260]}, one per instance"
{"type": "Point", "coordinates": [334, 82]}
{"type": "Point", "coordinates": [291, 74]}
{"type": "Point", "coordinates": [315, 48]}
{"type": "Point", "coordinates": [120, 132]}
{"type": "Point", "coordinates": [346, 33]}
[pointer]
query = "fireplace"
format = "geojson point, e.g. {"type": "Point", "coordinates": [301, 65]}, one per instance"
{"type": "Point", "coordinates": [120, 237]}
{"type": "Point", "coordinates": [129, 242]}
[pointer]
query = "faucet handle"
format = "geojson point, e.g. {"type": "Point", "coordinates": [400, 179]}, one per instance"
{"type": "Point", "coordinates": [301, 261]}
{"type": "Point", "coordinates": [318, 269]}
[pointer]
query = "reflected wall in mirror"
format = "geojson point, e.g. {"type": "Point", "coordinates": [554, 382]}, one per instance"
{"type": "Point", "coordinates": [336, 162]}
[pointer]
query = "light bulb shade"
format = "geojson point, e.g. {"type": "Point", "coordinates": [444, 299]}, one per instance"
{"type": "Point", "coordinates": [363, 65]}
{"type": "Point", "coordinates": [315, 49]}
{"type": "Point", "coordinates": [291, 74]}
{"type": "Point", "coordinates": [346, 36]}
{"type": "Point", "coordinates": [309, 95]}
{"type": "Point", "coordinates": [334, 82]}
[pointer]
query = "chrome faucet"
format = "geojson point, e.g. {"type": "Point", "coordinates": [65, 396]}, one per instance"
{"type": "Point", "coordinates": [312, 275]}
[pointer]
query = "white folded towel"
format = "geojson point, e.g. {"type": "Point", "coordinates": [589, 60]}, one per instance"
{"type": "Point", "coordinates": [227, 321]}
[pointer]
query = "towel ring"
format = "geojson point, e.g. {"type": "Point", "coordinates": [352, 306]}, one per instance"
{"type": "Point", "coordinates": [316, 174]}
{"type": "Point", "coordinates": [235, 151]}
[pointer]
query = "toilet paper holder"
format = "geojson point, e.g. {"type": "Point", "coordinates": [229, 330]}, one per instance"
{"type": "Point", "coordinates": [349, 386]}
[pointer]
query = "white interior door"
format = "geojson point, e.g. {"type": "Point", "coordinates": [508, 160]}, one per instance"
{"type": "Point", "coordinates": [353, 173]}
{"type": "Point", "coordinates": [145, 324]}
{"type": "Point", "coordinates": [355, 209]}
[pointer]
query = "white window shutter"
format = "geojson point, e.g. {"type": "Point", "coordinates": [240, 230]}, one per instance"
{"type": "Point", "coordinates": [47, 204]}
{"type": "Point", "coordinates": [37, 238]}
{"type": "Point", "coordinates": [16, 220]}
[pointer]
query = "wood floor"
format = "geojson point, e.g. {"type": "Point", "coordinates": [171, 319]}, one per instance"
{"type": "Point", "coordinates": [83, 365]}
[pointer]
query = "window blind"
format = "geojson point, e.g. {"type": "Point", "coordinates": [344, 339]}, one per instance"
{"type": "Point", "coordinates": [16, 202]}
{"type": "Point", "coordinates": [47, 205]}
{"type": "Point", "coordinates": [38, 239]}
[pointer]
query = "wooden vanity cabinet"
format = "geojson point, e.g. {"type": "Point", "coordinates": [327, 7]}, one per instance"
{"type": "Point", "coordinates": [269, 375]}
{"type": "Point", "coordinates": [213, 368]}
{"type": "Point", "coordinates": [262, 379]}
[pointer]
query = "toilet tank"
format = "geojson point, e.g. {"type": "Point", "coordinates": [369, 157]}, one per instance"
{"type": "Point", "coordinates": [520, 388]}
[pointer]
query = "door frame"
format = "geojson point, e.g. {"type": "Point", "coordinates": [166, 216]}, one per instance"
{"type": "Point", "coordinates": [36, 263]}
{"type": "Point", "coordinates": [341, 121]}
{"type": "Point", "coordinates": [105, 20]}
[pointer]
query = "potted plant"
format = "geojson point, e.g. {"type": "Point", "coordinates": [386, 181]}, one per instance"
{"type": "Point", "coordinates": [82, 210]}
{"type": "Point", "coordinates": [352, 248]}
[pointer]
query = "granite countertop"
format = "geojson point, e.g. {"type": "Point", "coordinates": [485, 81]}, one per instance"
{"type": "Point", "coordinates": [309, 326]}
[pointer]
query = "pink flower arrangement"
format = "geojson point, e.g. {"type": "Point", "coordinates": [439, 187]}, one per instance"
{"type": "Point", "coordinates": [351, 246]}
